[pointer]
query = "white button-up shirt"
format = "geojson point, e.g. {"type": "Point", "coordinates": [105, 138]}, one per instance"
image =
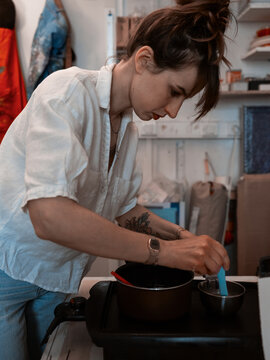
{"type": "Point", "coordinates": [59, 146]}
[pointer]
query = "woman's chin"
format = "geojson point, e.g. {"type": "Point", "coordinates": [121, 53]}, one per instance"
{"type": "Point", "coordinates": [144, 117]}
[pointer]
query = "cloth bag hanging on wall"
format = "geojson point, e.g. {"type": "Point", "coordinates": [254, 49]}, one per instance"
{"type": "Point", "coordinates": [208, 206]}
{"type": "Point", "coordinates": [209, 202]}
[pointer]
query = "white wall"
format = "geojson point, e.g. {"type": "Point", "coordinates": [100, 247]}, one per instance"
{"type": "Point", "coordinates": [87, 18]}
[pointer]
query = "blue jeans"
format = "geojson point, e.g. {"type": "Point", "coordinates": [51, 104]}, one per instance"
{"type": "Point", "coordinates": [26, 312]}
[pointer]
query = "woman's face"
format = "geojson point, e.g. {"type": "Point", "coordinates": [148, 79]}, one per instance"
{"type": "Point", "coordinates": [155, 95]}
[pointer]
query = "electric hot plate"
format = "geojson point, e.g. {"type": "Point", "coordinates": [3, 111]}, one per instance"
{"type": "Point", "coordinates": [197, 335]}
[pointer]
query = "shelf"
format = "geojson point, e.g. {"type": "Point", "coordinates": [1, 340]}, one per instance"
{"type": "Point", "coordinates": [255, 12]}
{"type": "Point", "coordinates": [188, 129]}
{"type": "Point", "coordinates": [261, 53]}
{"type": "Point", "coordinates": [245, 93]}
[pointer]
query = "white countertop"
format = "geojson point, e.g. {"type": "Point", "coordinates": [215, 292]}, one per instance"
{"type": "Point", "coordinates": [71, 341]}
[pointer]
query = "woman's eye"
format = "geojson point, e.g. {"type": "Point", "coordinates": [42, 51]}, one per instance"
{"type": "Point", "coordinates": [175, 93]}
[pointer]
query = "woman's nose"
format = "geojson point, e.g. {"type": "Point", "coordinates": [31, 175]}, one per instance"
{"type": "Point", "coordinates": [173, 108]}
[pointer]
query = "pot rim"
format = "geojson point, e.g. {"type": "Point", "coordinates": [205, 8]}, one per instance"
{"type": "Point", "coordinates": [158, 288]}
{"type": "Point", "coordinates": [223, 296]}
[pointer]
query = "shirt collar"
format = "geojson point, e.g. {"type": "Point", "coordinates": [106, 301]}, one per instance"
{"type": "Point", "coordinates": [103, 86]}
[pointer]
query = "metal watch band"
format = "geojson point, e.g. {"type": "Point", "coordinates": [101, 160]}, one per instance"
{"type": "Point", "coordinates": [153, 246]}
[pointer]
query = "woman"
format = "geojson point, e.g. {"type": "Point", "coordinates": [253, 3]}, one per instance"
{"type": "Point", "coordinates": [68, 170]}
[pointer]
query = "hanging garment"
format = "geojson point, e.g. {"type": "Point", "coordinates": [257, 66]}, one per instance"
{"type": "Point", "coordinates": [51, 44]}
{"type": "Point", "coordinates": [7, 14]}
{"type": "Point", "coordinates": [12, 90]}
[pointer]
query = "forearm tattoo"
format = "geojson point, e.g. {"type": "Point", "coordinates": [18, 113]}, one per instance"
{"type": "Point", "coordinates": [141, 224]}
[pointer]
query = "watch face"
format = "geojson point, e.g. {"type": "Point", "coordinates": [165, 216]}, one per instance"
{"type": "Point", "coordinates": [155, 244]}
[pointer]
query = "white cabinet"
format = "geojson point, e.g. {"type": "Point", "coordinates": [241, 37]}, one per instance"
{"type": "Point", "coordinates": [249, 20]}
{"type": "Point", "coordinates": [256, 12]}
{"type": "Point", "coordinates": [260, 53]}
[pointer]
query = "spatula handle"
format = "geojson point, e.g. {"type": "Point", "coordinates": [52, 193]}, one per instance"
{"type": "Point", "coordinates": [222, 282]}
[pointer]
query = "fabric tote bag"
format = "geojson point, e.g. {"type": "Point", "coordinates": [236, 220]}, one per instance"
{"type": "Point", "coordinates": [209, 202]}
{"type": "Point", "coordinates": [208, 209]}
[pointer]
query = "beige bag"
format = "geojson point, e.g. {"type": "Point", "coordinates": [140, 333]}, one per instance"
{"type": "Point", "coordinates": [209, 202]}
{"type": "Point", "coordinates": [208, 206]}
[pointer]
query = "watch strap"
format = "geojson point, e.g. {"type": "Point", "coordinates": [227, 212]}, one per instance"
{"type": "Point", "coordinates": [153, 246]}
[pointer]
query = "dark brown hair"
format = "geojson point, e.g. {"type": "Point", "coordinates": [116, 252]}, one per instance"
{"type": "Point", "coordinates": [191, 33]}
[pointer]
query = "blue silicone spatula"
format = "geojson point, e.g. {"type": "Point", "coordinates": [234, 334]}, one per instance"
{"type": "Point", "coordinates": [222, 282]}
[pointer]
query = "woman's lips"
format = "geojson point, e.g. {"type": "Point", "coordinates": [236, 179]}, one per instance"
{"type": "Point", "coordinates": [155, 116]}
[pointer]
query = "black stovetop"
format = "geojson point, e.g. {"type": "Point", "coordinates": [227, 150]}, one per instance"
{"type": "Point", "coordinates": [197, 335]}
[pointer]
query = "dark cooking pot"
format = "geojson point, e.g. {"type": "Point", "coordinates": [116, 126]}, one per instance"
{"type": "Point", "coordinates": [157, 293]}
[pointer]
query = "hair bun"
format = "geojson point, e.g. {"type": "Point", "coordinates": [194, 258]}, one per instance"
{"type": "Point", "coordinates": [206, 22]}
{"type": "Point", "coordinates": [214, 13]}
{"type": "Point", "coordinates": [221, 3]}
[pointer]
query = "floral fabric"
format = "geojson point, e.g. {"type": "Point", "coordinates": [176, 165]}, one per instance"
{"type": "Point", "coordinates": [49, 45]}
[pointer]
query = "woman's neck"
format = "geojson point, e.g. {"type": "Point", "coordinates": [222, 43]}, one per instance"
{"type": "Point", "coordinates": [120, 88]}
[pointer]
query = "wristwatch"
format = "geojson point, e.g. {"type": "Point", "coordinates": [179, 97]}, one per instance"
{"type": "Point", "coordinates": [154, 250]}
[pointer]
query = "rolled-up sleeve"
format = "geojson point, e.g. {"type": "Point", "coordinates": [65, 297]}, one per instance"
{"type": "Point", "coordinates": [55, 156]}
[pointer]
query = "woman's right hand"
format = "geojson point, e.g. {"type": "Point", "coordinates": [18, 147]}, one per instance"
{"type": "Point", "coordinates": [201, 254]}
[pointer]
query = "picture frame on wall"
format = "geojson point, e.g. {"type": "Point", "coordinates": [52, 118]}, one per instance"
{"type": "Point", "coordinates": [256, 139]}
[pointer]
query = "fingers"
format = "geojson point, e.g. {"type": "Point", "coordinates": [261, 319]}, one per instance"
{"type": "Point", "coordinates": [214, 255]}
{"type": "Point", "coordinates": [220, 255]}
{"type": "Point", "coordinates": [201, 254]}
{"type": "Point", "coordinates": [183, 233]}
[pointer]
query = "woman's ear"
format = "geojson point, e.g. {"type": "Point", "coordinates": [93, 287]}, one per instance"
{"type": "Point", "coordinates": [144, 59]}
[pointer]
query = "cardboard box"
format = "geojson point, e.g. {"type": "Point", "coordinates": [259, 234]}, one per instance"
{"type": "Point", "coordinates": [253, 225]}
{"type": "Point", "coordinates": [122, 31]}
{"type": "Point", "coordinates": [133, 24]}
{"type": "Point", "coordinates": [233, 75]}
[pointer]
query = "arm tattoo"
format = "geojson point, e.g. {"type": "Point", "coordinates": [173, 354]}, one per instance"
{"type": "Point", "coordinates": [141, 224]}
